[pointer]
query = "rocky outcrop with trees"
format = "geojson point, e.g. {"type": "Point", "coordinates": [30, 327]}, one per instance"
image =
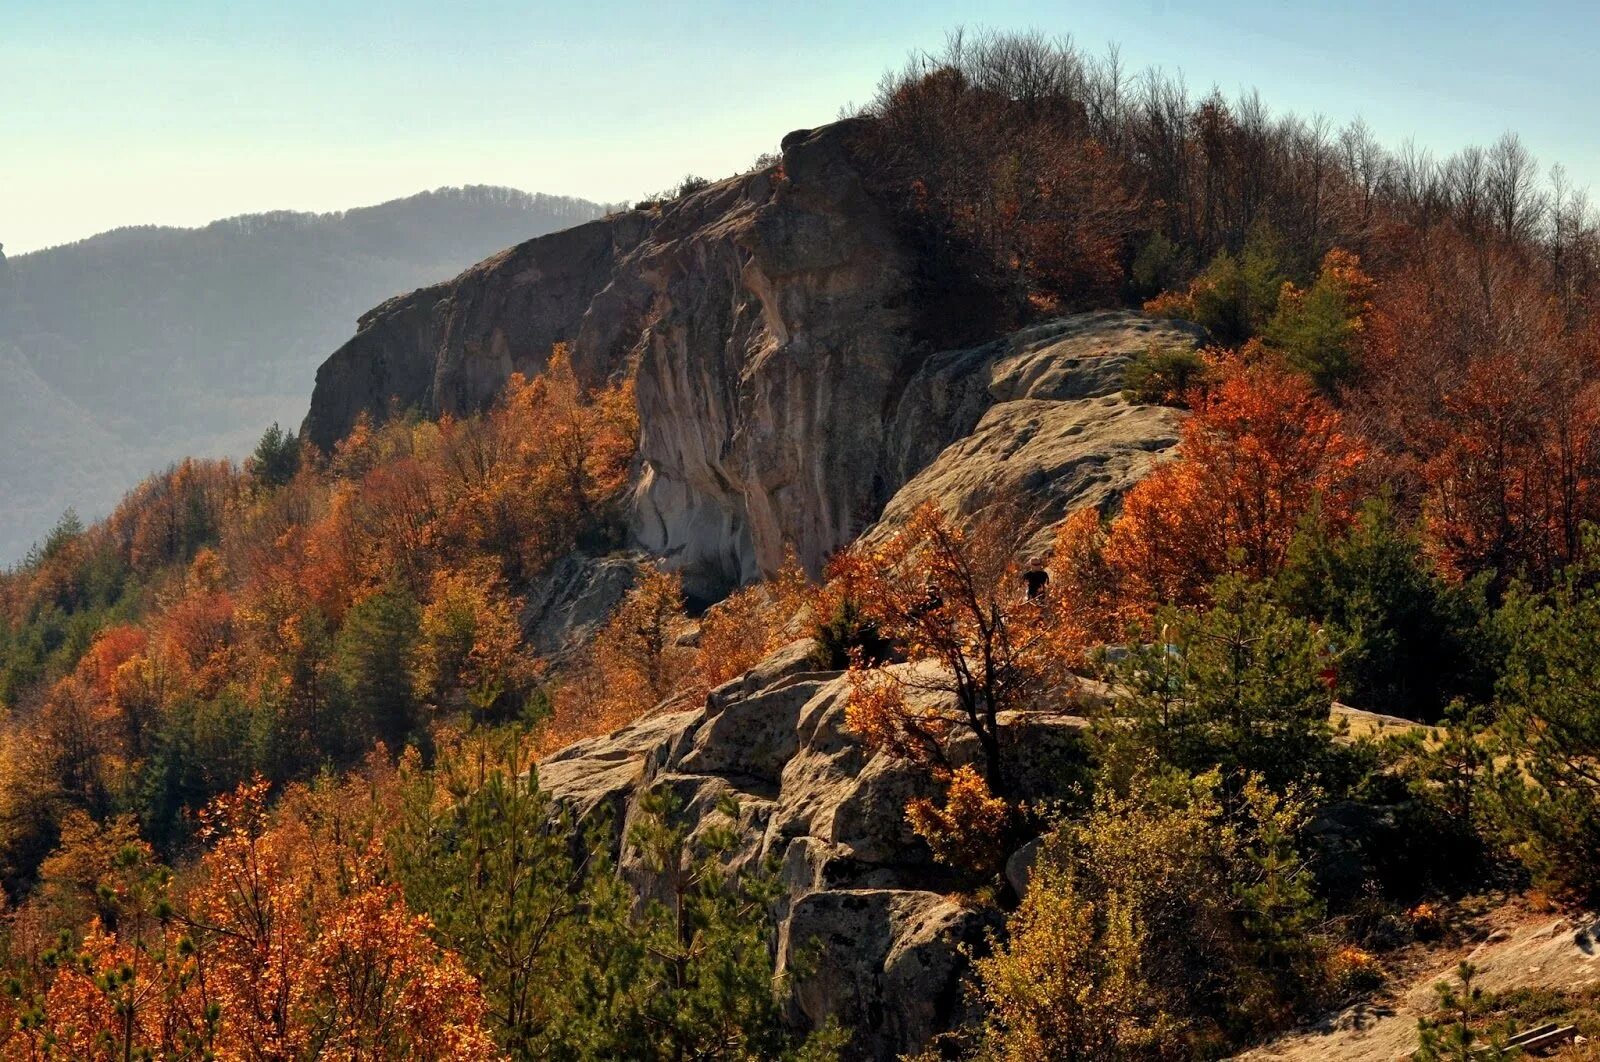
{"type": "Point", "coordinates": [1044, 568]}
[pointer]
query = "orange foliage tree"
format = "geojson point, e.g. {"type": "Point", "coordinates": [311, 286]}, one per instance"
{"type": "Point", "coordinates": [1262, 452]}
{"type": "Point", "coordinates": [957, 600]}
{"type": "Point", "coordinates": [637, 659]}
{"type": "Point", "coordinates": [1486, 398]}
{"type": "Point", "coordinates": [471, 652]}
{"type": "Point", "coordinates": [527, 481]}
{"type": "Point", "coordinates": [749, 623]}
{"type": "Point", "coordinates": [288, 944]}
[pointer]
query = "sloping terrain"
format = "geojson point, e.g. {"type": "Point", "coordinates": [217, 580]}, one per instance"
{"type": "Point", "coordinates": [1514, 949]}
{"type": "Point", "coordinates": [863, 899]}
{"type": "Point", "coordinates": [135, 348]}
{"type": "Point", "coordinates": [784, 392]}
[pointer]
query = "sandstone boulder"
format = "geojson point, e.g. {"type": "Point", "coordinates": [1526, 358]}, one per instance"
{"type": "Point", "coordinates": [1036, 418]}
{"type": "Point", "coordinates": [770, 756]}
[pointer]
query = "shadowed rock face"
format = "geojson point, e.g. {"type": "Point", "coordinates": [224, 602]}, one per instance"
{"type": "Point", "coordinates": [779, 338]}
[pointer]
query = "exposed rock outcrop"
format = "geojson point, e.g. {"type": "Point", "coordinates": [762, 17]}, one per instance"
{"type": "Point", "coordinates": [449, 348]}
{"type": "Point", "coordinates": [769, 320]}
{"type": "Point", "coordinates": [864, 900]}
{"type": "Point", "coordinates": [1035, 418]}
{"type": "Point", "coordinates": [783, 395]}
{"type": "Point", "coordinates": [781, 334]}
{"type": "Point", "coordinates": [568, 603]}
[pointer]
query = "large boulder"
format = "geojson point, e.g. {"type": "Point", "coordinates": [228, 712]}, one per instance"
{"type": "Point", "coordinates": [1036, 418]}
{"type": "Point", "coordinates": [864, 905]}
{"type": "Point", "coordinates": [888, 964]}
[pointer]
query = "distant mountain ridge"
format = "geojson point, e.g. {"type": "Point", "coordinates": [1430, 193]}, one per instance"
{"type": "Point", "coordinates": [171, 341]}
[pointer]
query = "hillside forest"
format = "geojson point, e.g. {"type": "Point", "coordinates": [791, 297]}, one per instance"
{"type": "Point", "coordinates": [269, 759]}
{"type": "Point", "coordinates": [128, 350]}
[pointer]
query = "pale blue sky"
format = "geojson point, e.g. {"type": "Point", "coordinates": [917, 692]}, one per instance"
{"type": "Point", "coordinates": [179, 112]}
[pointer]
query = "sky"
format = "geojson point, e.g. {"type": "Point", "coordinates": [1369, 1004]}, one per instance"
{"type": "Point", "coordinates": [120, 112]}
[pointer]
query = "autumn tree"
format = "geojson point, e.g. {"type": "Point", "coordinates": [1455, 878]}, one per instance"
{"type": "Point", "coordinates": [1262, 455]}
{"type": "Point", "coordinates": [537, 474]}
{"type": "Point", "coordinates": [954, 601]}
{"type": "Point", "coordinates": [307, 951]}
{"type": "Point", "coordinates": [988, 156]}
{"type": "Point", "coordinates": [293, 676]}
{"type": "Point", "coordinates": [1483, 399]}
{"type": "Point", "coordinates": [639, 658]}
{"type": "Point", "coordinates": [470, 652]}
{"type": "Point", "coordinates": [753, 621]}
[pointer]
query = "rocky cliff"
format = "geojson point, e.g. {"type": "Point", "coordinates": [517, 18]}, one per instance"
{"type": "Point", "coordinates": [767, 318]}
{"type": "Point", "coordinates": [788, 396]}
{"type": "Point", "coordinates": [863, 900]}
{"type": "Point", "coordinates": [786, 392]}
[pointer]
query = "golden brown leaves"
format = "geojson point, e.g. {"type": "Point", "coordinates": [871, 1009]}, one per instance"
{"type": "Point", "coordinates": [636, 660]}
{"type": "Point", "coordinates": [957, 598]}
{"type": "Point", "coordinates": [885, 718]}
{"type": "Point", "coordinates": [471, 651]}
{"type": "Point", "coordinates": [1262, 452]}
{"type": "Point", "coordinates": [971, 830]}
{"type": "Point", "coordinates": [287, 943]}
{"type": "Point", "coordinates": [748, 624]}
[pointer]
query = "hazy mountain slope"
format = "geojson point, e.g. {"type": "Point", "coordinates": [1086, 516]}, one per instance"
{"type": "Point", "coordinates": [128, 350]}
{"type": "Point", "coordinates": [60, 446]}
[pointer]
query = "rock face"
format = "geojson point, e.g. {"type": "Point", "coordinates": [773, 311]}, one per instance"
{"type": "Point", "coordinates": [568, 603]}
{"type": "Point", "coordinates": [768, 317]}
{"type": "Point", "coordinates": [771, 322]}
{"type": "Point", "coordinates": [1035, 419]}
{"type": "Point", "coordinates": [449, 348]}
{"type": "Point", "coordinates": [864, 902]}
{"type": "Point", "coordinates": [783, 398]}
{"type": "Point", "coordinates": [780, 333]}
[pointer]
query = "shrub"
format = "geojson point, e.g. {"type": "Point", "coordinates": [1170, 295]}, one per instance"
{"type": "Point", "coordinates": [1159, 926]}
{"type": "Point", "coordinates": [1385, 609]}
{"type": "Point", "coordinates": [1237, 687]}
{"type": "Point", "coordinates": [1234, 296]}
{"type": "Point", "coordinates": [1319, 330]}
{"type": "Point", "coordinates": [1549, 703]}
{"type": "Point", "coordinates": [1164, 376]}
